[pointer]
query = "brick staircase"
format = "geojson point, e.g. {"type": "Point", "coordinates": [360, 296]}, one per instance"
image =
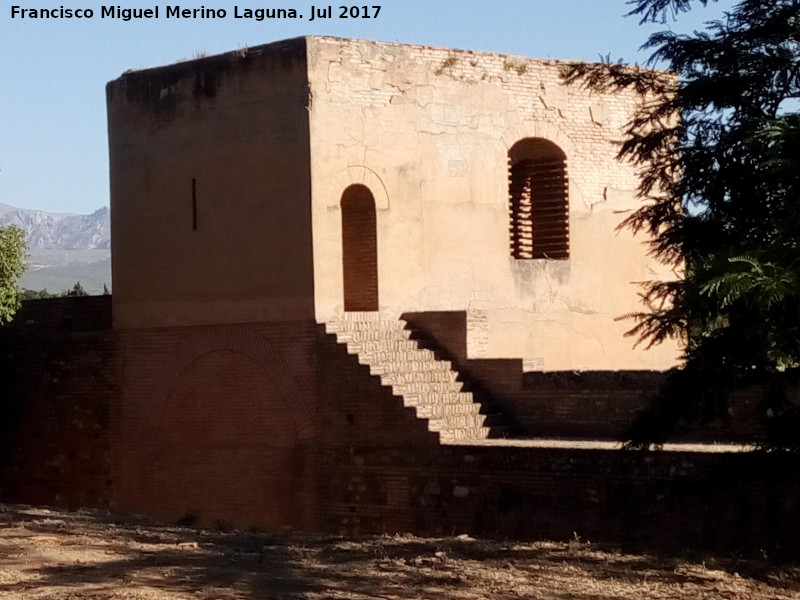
{"type": "Point", "coordinates": [424, 382]}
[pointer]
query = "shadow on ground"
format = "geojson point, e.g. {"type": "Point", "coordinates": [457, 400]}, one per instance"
{"type": "Point", "coordinates": [89, 554]}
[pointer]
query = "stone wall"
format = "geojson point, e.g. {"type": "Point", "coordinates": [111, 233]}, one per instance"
{"type": "Point", "coordinates": [428, 131]}
{"type": "Point", "coordinates": [571, 404]}
{"type": "Point", "coordinates": [210, 190]}
{"type": "Point", "coordinates": [228, 172]}
{"type": "Point", "coordinates": [214, 423]}
{"type": "Point", "coordinates": [385, 473]}
{"type": "Point", "coordinates": [276, 425]}
{"type": "Point", "coordinates": [57, 388]}
{"type": "Point", "coordinates": [593, 405]}
{"type": "Point", "coordinates": [724, 503]}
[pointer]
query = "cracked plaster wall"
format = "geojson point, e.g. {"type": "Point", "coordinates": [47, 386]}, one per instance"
{"type": "Point", "coordinates": [428, 130]}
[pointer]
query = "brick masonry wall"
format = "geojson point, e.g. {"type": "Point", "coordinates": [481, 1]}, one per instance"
{"type": "Point", "coordinates": [209, 166]}
{"type": "Point", "coordinates": [582, 121]}
{"type": "Point", "coordinates": [382, 475]}
{"type": "Point", "coordinates": [274, 425]}
{"type": "Point", "coordinates": [602, 405]}
{"type": "Point", "coordinates": [428, 131]}
{"type": "Point", "coordinates": [571, 404]}
{"type": "Point", "coordinates": [214, 423]}
{"type": "Point", "coordinates": [56, 387]}
{"type": "Point", "coordinates": [644, 501]}
{"type": "Point", "coordinates": [358, 410]}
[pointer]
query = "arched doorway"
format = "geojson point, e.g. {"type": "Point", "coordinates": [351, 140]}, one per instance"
{"type": "Point", "coordinates": [359, 249]}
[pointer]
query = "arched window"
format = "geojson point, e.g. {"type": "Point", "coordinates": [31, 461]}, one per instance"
{"type": "Point", "coordinates": [538, 205]}
{"type": "Point", "coordinates": [359, 249]}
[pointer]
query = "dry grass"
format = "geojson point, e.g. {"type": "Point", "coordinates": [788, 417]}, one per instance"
{"type": "Point", "coordinates": [87, 555]}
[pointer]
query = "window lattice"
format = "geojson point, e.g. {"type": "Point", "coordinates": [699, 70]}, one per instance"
{"type": "Point", "coordinates": [538, 208]}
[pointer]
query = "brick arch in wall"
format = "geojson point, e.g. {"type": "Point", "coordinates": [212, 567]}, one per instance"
{"type": "Point", "coordinates": [225, 436]}
{"type": "Point", "coordinates": [263, 352]}
{"type": "Point", "coordinates": [538, 192]}
{"type": "Point", "coordinates": [360, 175]}
{"type": "Point", "coordinates": [359, 249]}
{"type": "Point", "coordinates": [538, 129]}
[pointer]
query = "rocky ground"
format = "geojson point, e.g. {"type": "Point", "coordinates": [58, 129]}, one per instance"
{"type": "Point", "coordinates": [90, 555]}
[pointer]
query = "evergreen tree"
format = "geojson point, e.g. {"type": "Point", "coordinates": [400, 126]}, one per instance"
{"type": "Point", "coordinates": [77, 290]}
{"type": "Point", "coordinates": [718, 149]}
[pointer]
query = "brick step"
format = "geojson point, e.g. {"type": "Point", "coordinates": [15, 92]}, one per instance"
{"type": "Point", "coordinates": [356, 334]}
{"type": "Point", "coordinates": [415, 387]}
{"type": "Point", "coordinates": [417, 377]}
{"type": "Point", "coordinates": [416, 360]}
{"type": "Point", "coordinates": [395, 343]}
{"type": "Point", "coordinates": [358, 327]}
{"type": "Point", "coordinates": [456, 422]}
{"type": "Point", "coordinates": [374, 340]}
{"type": "Point", "coordinates": [423, 377]}
{"type": "Point", "coordinates": [412, 359]}
{"type": "Point", "coordinates": [372, 335]}
{"type": "Point", "coordinates": [447, 438]}
{"type": "Point", "coordinates": [390, 350]}
{"type": "Point", "coordinates": [495, 422]}
{"type": "Point", "coordinates": [438, 411]}
{"type": "Point", "coordinates": [409, 363]}
{"type": "Point", "coordinates": [365, 316]}
{"type": "Point", "coordinates": [434, 399]}
{"type": "Point", "coordinates": [408, 366]}
{"type": "Point", "coordinates": [460, 434]}
{"type": "Point", "coordinates": [405, 355]}
{"type": "Point", "coordinates": [335, 327]}
{"type": "Point", "coordinates": [437, 382]}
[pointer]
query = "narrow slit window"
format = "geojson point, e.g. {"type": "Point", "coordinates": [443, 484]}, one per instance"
{"type": "Point", "coordinates": [538, 200]}
{"type": "Point", "coordinates": [194, 204]}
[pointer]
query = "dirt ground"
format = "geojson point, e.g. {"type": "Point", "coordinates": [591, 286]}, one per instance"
{"type": "Point", "coordinates": [90, 555]}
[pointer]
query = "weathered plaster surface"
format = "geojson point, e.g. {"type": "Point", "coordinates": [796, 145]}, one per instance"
{"type": "Point", "coordinates": [210, 191]}
{"type": "Point", "coordinates": [272, 137]}
{"type": "Point", "coordinates": [428, 131]}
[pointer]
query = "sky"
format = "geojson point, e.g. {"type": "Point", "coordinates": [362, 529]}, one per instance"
{"type": "Point", "coordinates": [53, 137]}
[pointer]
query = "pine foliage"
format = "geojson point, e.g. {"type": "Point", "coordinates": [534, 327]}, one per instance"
{"type": "Point", "coordinates": [717, 146]}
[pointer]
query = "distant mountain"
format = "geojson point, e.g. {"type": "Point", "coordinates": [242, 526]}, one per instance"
{"type": "Point", "coordinates": [64, 248]}
{"type": "Point", "coordinates": [60, 231]}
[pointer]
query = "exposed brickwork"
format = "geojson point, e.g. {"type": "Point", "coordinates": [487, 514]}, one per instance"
{"type": "Point", "coordinates": [571, 404]}
{"type": "Point", "coordinates": [359, 249]}
{"type": "Point", "coordinates": [445, 333]}
{"type": "Point", "coordinates": [477, 333]}
{"type": "Point", "coordinates": [582, 126]}
{"type": "Point", "coordinates": [435, 130]}
{"type": "Point", "coordinates": [219, 397]}
{"type": "Point", "coordinates": [428, 385]}
{"type": "Point", "coordinates": [56, 387]}
{"type": "Point", "coordinates": [277, 424]}
{"type": "Point", "coordinates": [603, 404]}
{"type": "Point", "coordinates": [672, 501]}
{"type": "Point", "coordinates": [212, 422]}
{"type": "Point", "coordinates": [358, 408]}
